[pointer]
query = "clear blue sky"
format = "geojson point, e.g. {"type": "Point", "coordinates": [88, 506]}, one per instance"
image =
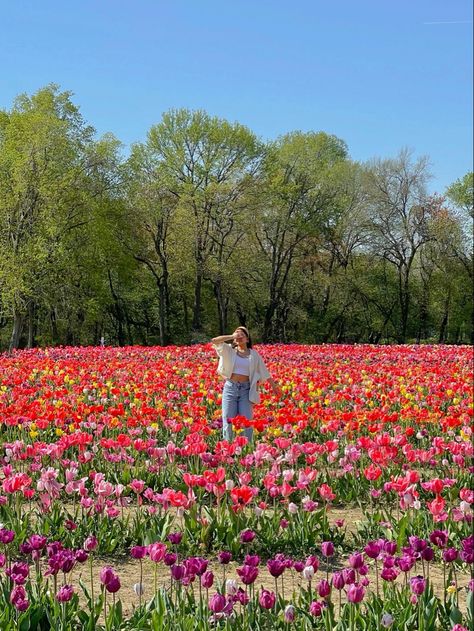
{"type": "Point", "coordinates": [381, 74]}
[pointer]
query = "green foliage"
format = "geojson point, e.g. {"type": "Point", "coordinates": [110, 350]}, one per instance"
{"type": "Point", "coordinates": [204, 226]}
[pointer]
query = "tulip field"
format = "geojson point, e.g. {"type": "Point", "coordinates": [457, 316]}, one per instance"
{"type": "Point", "coordinates": [122, 508]}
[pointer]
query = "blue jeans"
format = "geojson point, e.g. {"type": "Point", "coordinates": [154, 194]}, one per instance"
{"type": "Point", "coordinates": [235, 402]}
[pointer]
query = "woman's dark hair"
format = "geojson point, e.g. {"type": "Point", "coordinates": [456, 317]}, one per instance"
{"type": "Point", "coordinates": [244, 330]}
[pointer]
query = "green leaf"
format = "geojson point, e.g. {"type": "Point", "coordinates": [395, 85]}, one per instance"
{"type": "Point", "coordinates": [455, 616]}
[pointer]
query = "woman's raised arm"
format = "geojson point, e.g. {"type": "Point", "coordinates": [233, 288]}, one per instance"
{"type": "Point", "coordinates": [220, 339]}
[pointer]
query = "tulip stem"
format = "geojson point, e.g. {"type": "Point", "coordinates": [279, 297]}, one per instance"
{"type": "Point", "coordinates": [140, 589]}
{"type": "Point", "coordinates": [92, 584]}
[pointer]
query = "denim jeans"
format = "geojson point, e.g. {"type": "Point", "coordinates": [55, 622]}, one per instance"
{"type": "Point", "coordinates": [235, 402]}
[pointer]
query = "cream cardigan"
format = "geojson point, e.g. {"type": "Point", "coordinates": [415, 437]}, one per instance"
{"type": "Point", "coordinates": [258, 370]}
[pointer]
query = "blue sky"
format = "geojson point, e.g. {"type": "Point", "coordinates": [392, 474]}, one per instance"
{"type": "Point", "coordinates": [381, 75]}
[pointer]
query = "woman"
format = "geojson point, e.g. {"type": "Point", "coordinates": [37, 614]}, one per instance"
{"type": "Point", "coordinates": [243, 369]}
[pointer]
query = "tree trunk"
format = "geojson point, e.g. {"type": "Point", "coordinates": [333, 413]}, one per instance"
{"type": "Point", "coordinates": [268, 323]}
{"type": "Point", "coordinates": [185, 313]}
{"type": "Point", "coordinates": [18, 321]}
{"type": "Point", "coordinates": [444, 321]}
{"type": "Point", "coordinates": [117, 312]}
{"type": "Point", "coordinates": [222, 305]}
{"type": "Point", "coordinates": [31, 325]}
{"type": "Point", "coordinates": [197, 308]}
{"type": "Point", "coordinates": [241, 315]}
{"type": "Point", "coordinates": [164, 312]}
{"type": "Point", "coordinates": [404, 296]}
{"type": "Point", "coordinates": [54, 327]}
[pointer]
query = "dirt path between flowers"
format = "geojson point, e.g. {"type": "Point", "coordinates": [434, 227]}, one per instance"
{"type": "Point", "coordinates": [289, 584]}
{"type": "Point", "coordinates": [129, 572]}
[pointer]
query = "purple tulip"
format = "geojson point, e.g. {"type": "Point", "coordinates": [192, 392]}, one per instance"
{"type": "Point", "coordinates": [428, 554]}
{"type": "Point", "coordinates": [54, 547]}
{"type": "Point", "coordinates": [356, 560]}
{"type": "Point", "coordinates": [224, 557]}
{"type": "Point", "coordinates": [373, 549]}
{"type": "Point", "coordinates": [252, 559]}
{"type": "Point", "coordinates": [467, 556]}
{"type": "Point", "coordinates": [349, 575]}
{"type": "Point", "coordinates": [439, 538]}
{"type": "Point", "coordinates": [201, 565]}
{"type": "Point", "coordinates": [6, 536]}
{"type": "Point", "coordinates": [106, 574]}
{"type": "Point", "coordinates": [267, 599]}
{"type": "Point", "coordinates": [18, 598]}
{"type": "Point", "coordinates": [246, 536]}
{"type": "Point", "coordinates": [113, 585]}
{"type": "Point", "coordinates": [355, 593]}
{"type": "Point", "coordinates": [177, 572]}
{"type": "Point", "coordinates": [327, 548]}
{"type": "Point", "coordinates": [417, 585]}
{"type": "Point", "coordinates": [298, 566]}
{"type": "Point", "coordinates": [241, 597]}
{"type": "Point", "coordinates": [90, 544]}
{"type": "Point", "coordinates": [417, 544]}
{"type": "Point", "coordinates": [18, 572]}
{"type": "Point", "coordinates": [247, 573]}
{"type": "Point", "coordinates": [156, 551]}
{"type": "Point", "coordinates": [25, 548]}
{"type": "Point", "coordinates": [389, 574]}
{"type": "Point", "coordinates": [67, 560]}
{"type": "Point", "coordinates": [175, 538]}
{"type": "Point", "coordinates": [81, 556]}
{"type": "Point", "coordinates": [109, 579]}
{"type": "Point", "coordinates": [338, 581]}
{"type": "Point", "coordinates": [37, 542]}
{"type": "Point", "coordinates": [450, 555]}
{"type": "Point", "coordinates": [275, 567]}
{"type": "Point", "coordinates": [389, 561]}
{"type": "Point", "coordinates": [65, 594]}
{"type": "Point", "coordinates": [316, 608]}
{"type": "Point", "coordinates": [406, 562]}
{"type": "Point", "coordinates": [390, 547]}
{"type": "Point", "coordinates": [207, 579]}
{"type": "Point", "coordinates": [467, 550]}
{"type": "Point", "coordinates": [138, 552]}
{"type": "Point", "coordinates": [324, 588]}
{"type": "Point", "coordinates": [195, 566]}
{"type": "Point", "coordinates": [170, 558]}
{"type": "Point", "coordinates": [217, 603]}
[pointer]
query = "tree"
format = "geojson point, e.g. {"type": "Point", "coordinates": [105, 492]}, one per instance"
{"type": "Point", "coordinates": [205, 163]}
{"type": "Point", "coordinates": [51, 171]}
{"type": "Point", "coordinates": [149, 212]}
{"type": "Point", "coordinates": [400, 211]}
{"type": "Point", "coordinates": [461, 195]}
{"type": "Point", "coordinates": [295, 197]}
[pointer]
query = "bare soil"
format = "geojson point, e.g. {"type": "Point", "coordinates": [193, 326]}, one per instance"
{"type": "Point", "coordinates": [289, 584]}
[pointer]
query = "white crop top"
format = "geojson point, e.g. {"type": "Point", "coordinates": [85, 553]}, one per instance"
{"type": "Point", "coordinates": [241, 366]}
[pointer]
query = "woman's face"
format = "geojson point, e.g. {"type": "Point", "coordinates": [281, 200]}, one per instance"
{"type": "Point", "coordinates": [240, 337]}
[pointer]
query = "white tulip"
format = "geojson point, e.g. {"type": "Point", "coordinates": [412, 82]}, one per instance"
{"type": "Point", "coordinates": [308, 572]}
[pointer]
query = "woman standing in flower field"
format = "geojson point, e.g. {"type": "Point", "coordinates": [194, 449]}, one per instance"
{"type": "Point", "coordinates": [243, 368]}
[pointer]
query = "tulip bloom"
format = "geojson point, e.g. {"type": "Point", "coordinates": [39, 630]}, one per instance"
{"type": "Point", "coordinates": [355, 593]}
{"type": "Point", "coordinates": [267, 599]}
{"type": "Point", "coordinates": [417, 585]}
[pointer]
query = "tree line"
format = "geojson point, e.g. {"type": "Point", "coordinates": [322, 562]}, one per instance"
{"type": "Point", "coordinates": [204, 226]}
